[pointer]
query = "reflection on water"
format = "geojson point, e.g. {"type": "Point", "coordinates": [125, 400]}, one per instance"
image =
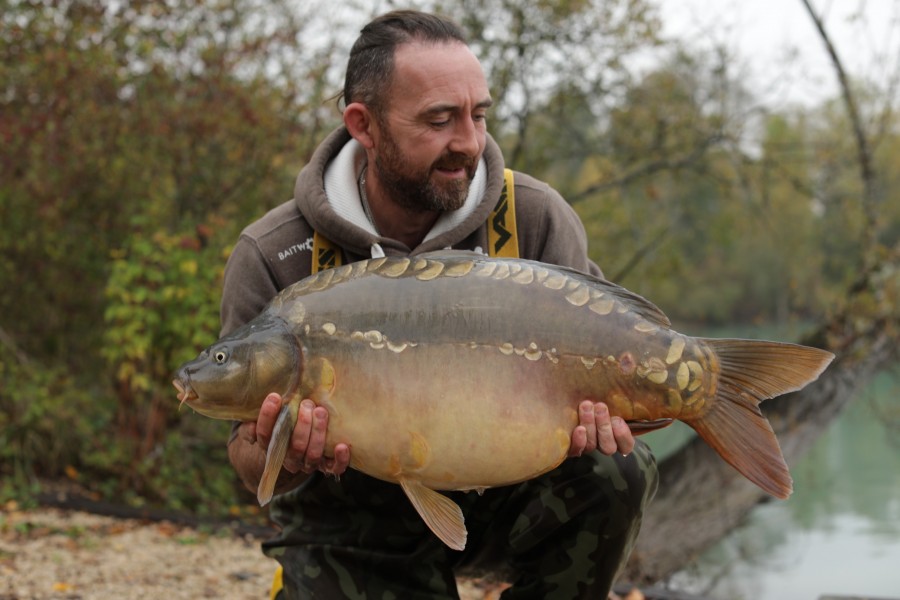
{"type": "Point", "coordinates": [838, 534]}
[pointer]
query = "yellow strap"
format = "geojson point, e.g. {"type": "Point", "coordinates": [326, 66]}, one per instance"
{"type": "Point", "coordinates": [277, 583]}
{"type": "Point", "coordinates": [325, 254]}
{"type": "Point", "coordinates": [503, 237]}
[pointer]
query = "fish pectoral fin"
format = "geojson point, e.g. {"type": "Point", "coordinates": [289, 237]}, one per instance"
{"type": "Point", "coordinates": [642, 427]}
{"type": "Point", "coordinates": [318, 379]}
{"type": "Point", "coordinates": [442, 515]}
{"type": "Point", "coordinates": [278, 445]}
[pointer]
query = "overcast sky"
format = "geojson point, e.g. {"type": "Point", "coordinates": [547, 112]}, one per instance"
{"type": "Point", "coordinates": [779, 42]}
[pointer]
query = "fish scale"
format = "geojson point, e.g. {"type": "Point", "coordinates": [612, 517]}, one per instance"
{"type": "Point", "coordinates": [395, 302]}
{"type": "Point", "coordinates": [454, 371]}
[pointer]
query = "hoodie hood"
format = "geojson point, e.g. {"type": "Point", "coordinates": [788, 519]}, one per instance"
{"type": "Point", "coordinates": [327, 194]}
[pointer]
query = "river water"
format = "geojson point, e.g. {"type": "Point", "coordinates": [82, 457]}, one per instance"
{"type": "Point", "coordinates": [838, 534]}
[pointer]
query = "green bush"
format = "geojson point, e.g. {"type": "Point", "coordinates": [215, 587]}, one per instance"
{"type": "Point", "coordinates": [123, 437]}
{"type": "Point", "coordinates": [45, 418]}
{"type": "Point", "coordinates": [162, 309]}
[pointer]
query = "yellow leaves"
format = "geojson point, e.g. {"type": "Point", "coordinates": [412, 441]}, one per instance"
{"type": "Point", "coordinates": [244, 511]}
{"type": "Point", "coordinates": [188, 267]}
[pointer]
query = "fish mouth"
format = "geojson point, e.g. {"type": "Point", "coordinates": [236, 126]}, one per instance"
{"type": "Point", "coordinates": [186, 393]}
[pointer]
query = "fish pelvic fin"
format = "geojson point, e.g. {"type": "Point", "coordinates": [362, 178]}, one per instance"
{"type": "Point", "coordinates": [442, 515]}
{"type": "Point", "coordinates": [752, 371]}
{"type": "Point", "coordinates": [640, 427]}
{"type": "Point", "coordinates": [278, 446]}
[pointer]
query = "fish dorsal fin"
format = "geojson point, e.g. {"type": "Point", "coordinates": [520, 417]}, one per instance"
{"type": "Point", "coordinates": [278, 445]}
{"type": "Point", "coordinates": [442, 515]}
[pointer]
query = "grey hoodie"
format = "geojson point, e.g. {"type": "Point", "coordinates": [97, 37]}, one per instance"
{"type": "Point", "coordinates": [276, 250]}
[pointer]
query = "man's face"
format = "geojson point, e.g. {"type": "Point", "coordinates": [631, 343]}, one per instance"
{"type": "Point", "coordinates": [432, 132]}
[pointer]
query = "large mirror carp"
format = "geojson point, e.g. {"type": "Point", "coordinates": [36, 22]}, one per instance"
{"type": "Point", "coordinates": [455, 371]}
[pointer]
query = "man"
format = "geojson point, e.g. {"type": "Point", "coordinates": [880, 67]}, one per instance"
{"type": "Point", "coordinates": [413, 170]}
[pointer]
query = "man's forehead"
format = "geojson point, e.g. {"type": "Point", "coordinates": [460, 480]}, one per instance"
{"type": "Point", "coordinates": [435, 72]}
{"type": "Point", "coordinates": [415, 47]}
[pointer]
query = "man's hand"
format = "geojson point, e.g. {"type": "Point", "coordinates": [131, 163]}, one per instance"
{"type": "Point", "coordinates": [307, 450]}
{"type": "Point", "coordinates": [596, 430]}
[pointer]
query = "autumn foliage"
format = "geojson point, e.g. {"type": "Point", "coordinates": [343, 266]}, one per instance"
{"type": "Point", "coordinates": [138, 138]}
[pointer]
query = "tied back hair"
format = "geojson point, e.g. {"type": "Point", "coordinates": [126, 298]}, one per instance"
{"type": "Point", "coordinates": [371, 63]}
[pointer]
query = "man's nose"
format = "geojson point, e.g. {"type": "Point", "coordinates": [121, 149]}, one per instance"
{"type": "Point", "coordinates": [467, 138]}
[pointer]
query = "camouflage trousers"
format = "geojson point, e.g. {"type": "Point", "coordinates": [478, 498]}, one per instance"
{"type": "Point", "coordinates": [565, 534]}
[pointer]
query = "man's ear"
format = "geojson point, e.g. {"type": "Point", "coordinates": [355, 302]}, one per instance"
{"type": "Point", "coordinates": [360, 122]}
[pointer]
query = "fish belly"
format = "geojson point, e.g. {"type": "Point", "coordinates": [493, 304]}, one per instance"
{"type": "Point", "coordinates": [452, 416]}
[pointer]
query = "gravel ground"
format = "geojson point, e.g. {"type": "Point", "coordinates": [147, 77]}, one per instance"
{"type": "Point", "coordinates": [78, 556]}
{"type": "Point", "coordinates": [69, 555]}
{"type": "Point", "coordinates": [56, 554]}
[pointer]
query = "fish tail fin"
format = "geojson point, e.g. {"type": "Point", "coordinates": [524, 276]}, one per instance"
{"type": "Point", "coordinates": [752, 371]}
{"type": "Point", "coordinates": [278, 446]}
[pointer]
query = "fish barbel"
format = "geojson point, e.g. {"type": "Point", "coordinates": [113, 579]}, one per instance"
{"type": "Point", "coordinates": [454, 371]}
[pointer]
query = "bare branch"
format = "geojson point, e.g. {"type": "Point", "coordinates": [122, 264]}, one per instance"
{"type": "Point", "coordinates": [648, 168]}
{"type": "Point", "coordinates": [863, 149]}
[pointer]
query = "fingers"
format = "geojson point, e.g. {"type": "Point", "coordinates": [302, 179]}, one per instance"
{"type": "Point", "coordinates": [315, 447]}
{"type": "Point", "coordinates": [265, 422]}
{"type": "Point", "coordinates": [307, 450]}
{"type": "Point", "coordinates": [623, 435]}
{"type": "Point", "coordinates": [300, 438]}
{"type": "Point", "coordinates": [597, 430]}
{"type": "Point", "coordinates": [606, 440]}
{"type": "Point", "coordinates": [337, 464]}
{"type": "Point", "coordinates": [296, 460]}
{"type": "Point", "coordinates": [341, 459]}
{"type": "Point", "coordinates": [587, 420]}
{"type": "Point", "coordinates": [579, 441]}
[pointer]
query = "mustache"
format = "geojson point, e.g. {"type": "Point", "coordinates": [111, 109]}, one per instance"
{"type": "Point", "coordinates": [456, 160]}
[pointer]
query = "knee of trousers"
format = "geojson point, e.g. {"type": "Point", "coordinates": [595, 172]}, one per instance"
{"type": "Point", "coordinates": [595, 493]}
{"type": "Point", "coordinates": [618, 487]}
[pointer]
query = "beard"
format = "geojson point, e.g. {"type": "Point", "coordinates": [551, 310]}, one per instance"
{"type": "Point", "coordinates": [414, 189]}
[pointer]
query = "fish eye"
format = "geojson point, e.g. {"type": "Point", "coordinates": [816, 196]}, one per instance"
{"type": "Point", "coordinates": [220, 357]}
